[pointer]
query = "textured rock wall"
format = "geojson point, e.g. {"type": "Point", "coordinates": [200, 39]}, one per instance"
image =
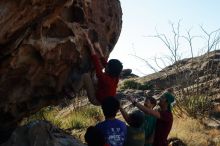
{"type": "Point", "coordinates": [42, 46]}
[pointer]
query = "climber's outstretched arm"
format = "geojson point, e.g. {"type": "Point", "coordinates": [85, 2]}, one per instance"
{"type": "Point", "coordinates": [97, 45]}
{"type": "Point", "coordinates": [125, 115]}
{"type": "Point", "coordinates": [92, 49]}
{"type": "Point", "coordinates": [146, 110]}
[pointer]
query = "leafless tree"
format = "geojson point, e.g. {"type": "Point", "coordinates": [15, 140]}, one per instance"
{"type": "Point", "coordinates": [188, 84]}
{"type": "Point", "coordinates": [212, 38]}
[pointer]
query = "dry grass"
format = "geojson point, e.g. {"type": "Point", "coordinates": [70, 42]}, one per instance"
{"type": "Point", "coordinates": [76, 119]}
{"type": "Point", "coordinates": [193, 133]}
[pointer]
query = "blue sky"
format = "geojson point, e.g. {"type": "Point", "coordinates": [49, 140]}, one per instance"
{"type": "Point", "coordinates": [141, 18]}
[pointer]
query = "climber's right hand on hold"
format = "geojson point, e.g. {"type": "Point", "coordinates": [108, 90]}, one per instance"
{"type": "Point", "coordinates": [90, 43]}
{"type": "Point", "coordinates": [98, 47]}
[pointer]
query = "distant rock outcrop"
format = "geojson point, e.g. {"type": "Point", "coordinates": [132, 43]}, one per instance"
{"type": "Point", "coordinates": [200, 73]}
{"type": "Point", "coordinates": [127, 73]}
{"type": "Point", "coordinates": [42, 46]}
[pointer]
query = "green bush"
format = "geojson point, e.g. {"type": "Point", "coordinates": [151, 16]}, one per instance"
{"type": "Point", "coordinates": [79, 122]}
{"type": "Point", "coordinates": [146, 86]}
{"type": "Point", "coordinates": [131, 84]}
{"type": "Point", "coordinates": [83, 117]}
{"type": "Point", "coordinates": [93, 112]}
{"type": "Point", "coordinates": [47, 113]}
{"type": "Point", "coordinates": [76, 119]}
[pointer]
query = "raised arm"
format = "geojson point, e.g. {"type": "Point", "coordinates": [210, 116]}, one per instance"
{"type": "Point", "coordinates": [125, 115]}
{"type": "Point", "coordinates": [145, 109]}
{"type": "Point", "coordinates": [97, 45]}
{"type": "Point", "coordinates": [92, 49]}
{"type": "Point", "coordinates": [95, 58]}
{"type": "Point", "coordinates": [103, 58]}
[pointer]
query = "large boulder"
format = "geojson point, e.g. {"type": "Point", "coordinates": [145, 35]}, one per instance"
{"type": "Point", "coordinates": [42, 46]}
{"type": "Point", "coordinates": [41, 133]}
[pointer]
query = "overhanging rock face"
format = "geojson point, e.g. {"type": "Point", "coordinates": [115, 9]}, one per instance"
{"type": "Point", "coordinates": [42, 44]}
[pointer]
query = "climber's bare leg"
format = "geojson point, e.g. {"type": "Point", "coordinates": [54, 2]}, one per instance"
{"type": "Point", "coordinates": [62, 79]}
{"type": "Point", "coordinates": [87, 83]}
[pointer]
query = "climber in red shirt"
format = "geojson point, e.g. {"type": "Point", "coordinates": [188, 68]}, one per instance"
{"type": "Point", "coordinates": [107, 81]}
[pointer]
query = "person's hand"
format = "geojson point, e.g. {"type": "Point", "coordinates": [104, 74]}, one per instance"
{"type": "Point", "coordinates": [97, 46]}
{"type": "Point", "coordinates": [130, 98]}
{"type": "Point", "coordinates": [121, 103]}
